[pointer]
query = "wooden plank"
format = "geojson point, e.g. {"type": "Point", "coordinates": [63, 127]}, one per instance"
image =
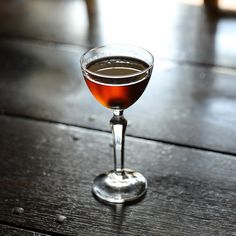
{"type": "Point", "coordinates": [47, 172]}
{"type": "Point", "coordinates": [11, 231]}
{"type": "Point", "coordinates": [188, 105]}
{"type": "Point", "coordinates": [166, 27]}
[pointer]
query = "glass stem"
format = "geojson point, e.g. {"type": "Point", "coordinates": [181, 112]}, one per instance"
{"type": "Point", "coordinates": [118, 127]}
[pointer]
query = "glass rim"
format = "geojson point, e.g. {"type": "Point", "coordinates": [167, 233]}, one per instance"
{"type": "Point", "coordinates": [84, 68]}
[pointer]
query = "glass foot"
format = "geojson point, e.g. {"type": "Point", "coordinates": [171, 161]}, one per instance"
{"type": "Point", "coordinates": [119, 186]}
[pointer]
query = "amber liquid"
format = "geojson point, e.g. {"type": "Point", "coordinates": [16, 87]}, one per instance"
{"type": "Point", "coordinates": [118, 81]}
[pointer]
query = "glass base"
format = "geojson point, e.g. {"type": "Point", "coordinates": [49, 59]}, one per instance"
{"type": "Point", "coordinates": [119, 186]}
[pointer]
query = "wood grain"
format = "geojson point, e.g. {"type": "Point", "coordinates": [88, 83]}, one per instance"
{"type": "Point", "coordinates": [183, 104]}
{"type": "Point", "coordinates": [12, 231]}
{"type": "Point", "coordinates": [48, 172]}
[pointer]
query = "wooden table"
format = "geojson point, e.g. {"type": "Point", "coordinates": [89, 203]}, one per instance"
{"type": "Point", "coordinates": [55, 137]}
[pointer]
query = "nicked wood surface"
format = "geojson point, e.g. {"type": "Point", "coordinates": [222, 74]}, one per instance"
{"type": "Point", "coordinates": [191, 192]}
{"type": "Point", "coordinates": [12, 231]}
{"type": "Point", "coordinates": [183, 104]}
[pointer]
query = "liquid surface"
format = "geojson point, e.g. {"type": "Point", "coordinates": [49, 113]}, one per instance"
{"type": "Point", "coordinates": [117, 66]}
{"type": "Point", "coordinates": [118, 81]}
